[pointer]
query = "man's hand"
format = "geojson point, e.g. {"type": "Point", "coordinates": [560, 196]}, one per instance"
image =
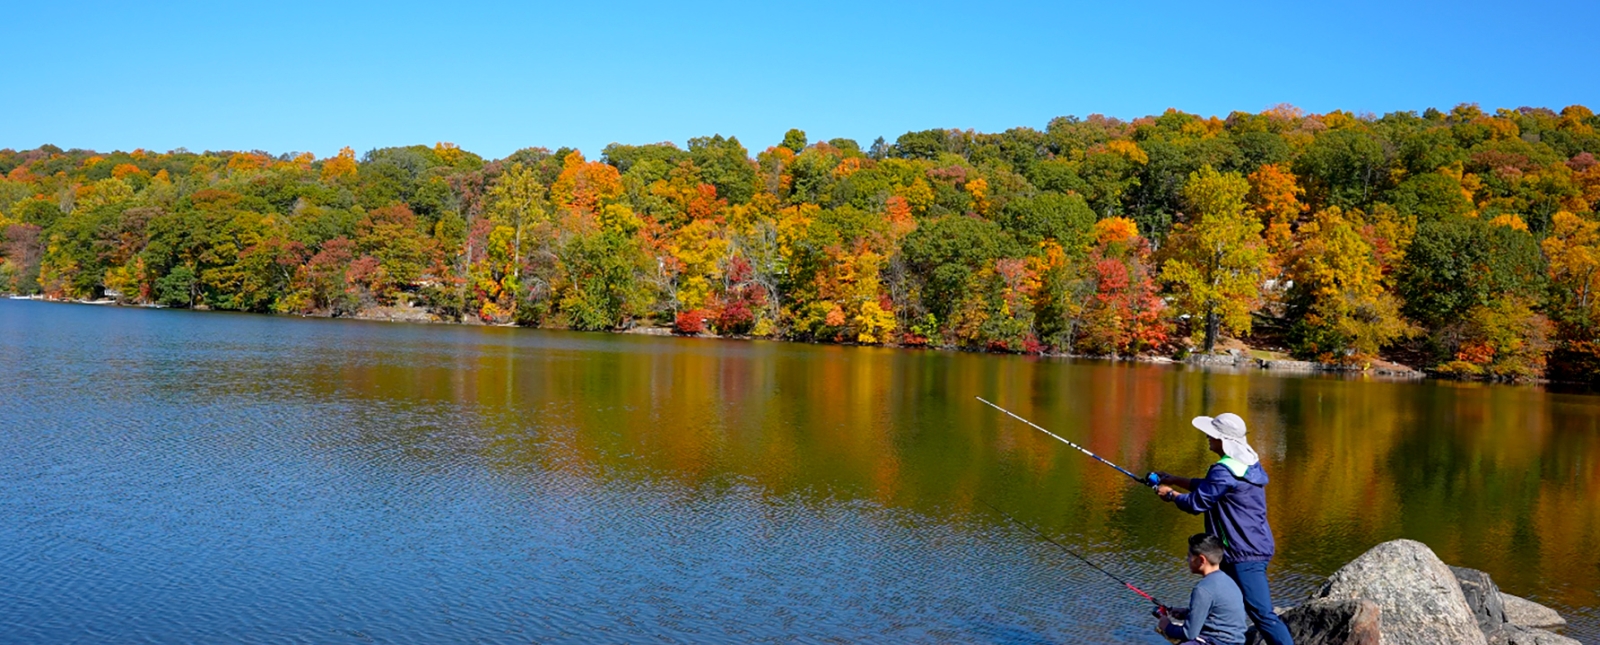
{"type": "Point", "coordinates": [1164, 492]}
{"type": "Point", "coordinates": [1161, 625]}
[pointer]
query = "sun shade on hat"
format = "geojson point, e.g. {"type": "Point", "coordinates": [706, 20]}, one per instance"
{"type": "Point", "coordinates": [1230, 429]}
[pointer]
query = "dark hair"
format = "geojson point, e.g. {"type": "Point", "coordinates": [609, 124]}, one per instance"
{"type": "Point", "coordinates": [1206, 545]}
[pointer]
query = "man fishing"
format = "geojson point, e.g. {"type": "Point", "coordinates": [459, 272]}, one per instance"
{"type": "Point", "coordinates": [1234, 501]}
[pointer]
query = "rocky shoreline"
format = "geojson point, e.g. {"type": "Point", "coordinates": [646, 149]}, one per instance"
{"type": "Point", "coordinates": [1238, 360]}
{"type": "Point", "coordinates": [1226, 360]}
{"type": "Point", "coordinates": [1401, 593]}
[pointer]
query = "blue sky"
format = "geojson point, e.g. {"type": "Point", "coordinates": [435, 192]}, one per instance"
{"type": "Point", "coordinates": [496, 77]}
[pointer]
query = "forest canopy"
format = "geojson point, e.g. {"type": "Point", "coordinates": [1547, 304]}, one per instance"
{"type": "Point", "coordinates": [1466, 241]}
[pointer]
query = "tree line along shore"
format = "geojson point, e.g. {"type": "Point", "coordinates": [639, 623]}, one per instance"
{"type": "Point", "coordinates": [1464, 242]}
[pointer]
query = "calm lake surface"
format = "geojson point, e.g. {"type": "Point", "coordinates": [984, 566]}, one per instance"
{"type": "Point", "coordinates": [177, 477]}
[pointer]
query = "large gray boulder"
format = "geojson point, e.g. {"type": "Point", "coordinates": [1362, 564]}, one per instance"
{"type": "Point", "coordinates": [1527, 613]}
{"type": "Point", "coordinates": [1335, 622]}
{"type": "Point", "coordinates": [1483, 597]}
{"type": "Point", "coordinates": [1418, 597]}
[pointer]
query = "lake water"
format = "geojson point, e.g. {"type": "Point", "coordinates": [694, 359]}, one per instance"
{"type": "Point", "coordinates": [177, 477]}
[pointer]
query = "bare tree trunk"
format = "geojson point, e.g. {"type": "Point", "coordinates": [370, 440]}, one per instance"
{"type": "Point", "coordinates": [1213, 321]}
{"type": "Point", "coordinates": [1583, 297]}
{"type": "Point", "coordinates": [516, 249]}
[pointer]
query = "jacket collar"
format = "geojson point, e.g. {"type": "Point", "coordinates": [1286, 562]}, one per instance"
{"type": "Point", "coordinates": [1234, 466]}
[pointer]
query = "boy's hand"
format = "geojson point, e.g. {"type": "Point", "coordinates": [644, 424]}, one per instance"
{"type": "Point", "coordinates": [1161, 625]}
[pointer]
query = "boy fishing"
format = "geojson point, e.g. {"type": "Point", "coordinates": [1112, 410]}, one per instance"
{"type": "Point", "coordinates": [1234, 501]}
{"type": "Point", "coordinates": [1216, 614]}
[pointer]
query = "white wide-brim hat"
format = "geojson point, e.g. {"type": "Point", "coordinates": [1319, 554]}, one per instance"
{"type": "Point", "coordinates": [1230, 429]}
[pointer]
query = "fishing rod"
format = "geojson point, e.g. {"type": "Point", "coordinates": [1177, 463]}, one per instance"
{"type": "Point", "coordinates": [1150, 480]}
{"type": "Point", "coordinates": [1160, 608]}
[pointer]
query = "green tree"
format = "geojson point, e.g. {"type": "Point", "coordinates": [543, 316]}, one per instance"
{"type": "Point", "coordinates": [1431, 196]}
{"type": "Point", "coordinates": [927, 144]}
{"type": "Point", "coordinates": [794, 140]}
{"type": "Point", "coordinates": [1049, 216]}
{"type": "Point", "coordinates": [1457, 263]}
{"type": "Point", "coordinates": [1343, 168]}
{"type": "Point", "coordinates": [178, 288]}
{"type": "Point", "coordinates": [603, 289]}
{"type": "Point", "coordinates": [947, 254]}
{"type": "Point", "coordinates": [724, 163]}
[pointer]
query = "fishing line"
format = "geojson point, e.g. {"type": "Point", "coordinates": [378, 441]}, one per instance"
{"type": "Point", "coordinates": [1072, 553]}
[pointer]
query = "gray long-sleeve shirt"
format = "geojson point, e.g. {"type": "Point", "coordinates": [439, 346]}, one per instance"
{"type": "Point", "coordinates": [1216, 611]}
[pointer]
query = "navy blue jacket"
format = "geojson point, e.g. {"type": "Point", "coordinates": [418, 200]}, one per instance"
{"type": "Point", "coordinates": [1235, 508]}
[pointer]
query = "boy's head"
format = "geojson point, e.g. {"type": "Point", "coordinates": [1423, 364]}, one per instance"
{"type": "Point", "coordinates": [1205, 553]}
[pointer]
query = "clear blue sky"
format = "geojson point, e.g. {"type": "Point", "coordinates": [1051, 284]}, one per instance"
{"type": "Point", "coordinates": [495, 77]}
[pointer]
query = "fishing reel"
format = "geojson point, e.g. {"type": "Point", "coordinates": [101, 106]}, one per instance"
{"type": "Point", "coordinates": [1152, 480]}
{"type": "Point", "coordinates": [1160, 611]}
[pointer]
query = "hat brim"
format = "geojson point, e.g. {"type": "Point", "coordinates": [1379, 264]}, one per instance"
{"type": "Point", "coordinates": [1206, 425]}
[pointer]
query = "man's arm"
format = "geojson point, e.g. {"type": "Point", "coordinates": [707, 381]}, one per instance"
{"type": "Point", "coordinates": [1205, 492]}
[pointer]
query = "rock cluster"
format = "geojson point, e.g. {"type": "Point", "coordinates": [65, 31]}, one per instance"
{"type": "Point", "coordinates": [1400, 593]}
{"type": "Point", "coordinates": [1235, 359]}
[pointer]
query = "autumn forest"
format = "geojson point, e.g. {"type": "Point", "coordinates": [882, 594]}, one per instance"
{"type": "Point", "coordinates": [1465, 242]}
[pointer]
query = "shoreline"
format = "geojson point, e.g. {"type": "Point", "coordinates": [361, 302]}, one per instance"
{"type": "Point", "coordinates": [1231, 360]}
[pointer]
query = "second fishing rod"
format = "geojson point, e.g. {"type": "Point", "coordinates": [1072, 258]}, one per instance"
{"type": "Point", "coordinates": [1159, 609]}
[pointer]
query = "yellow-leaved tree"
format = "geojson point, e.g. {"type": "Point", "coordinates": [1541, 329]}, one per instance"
{"type": "Point", "coordinates": [517, 201]}
{"type": "Point", "coordinates": [341, 166]}
{"type": "Point", "coordinates": [1574, 252]}
{"type": "Point", "coordinates": [698, 250]}
{"type": "Point", "coordinates": [1214, 260]}
{"type": "Point", "coordinates": [1341, 311]}
{"type": "Point", "coordinates": [1573, 249]}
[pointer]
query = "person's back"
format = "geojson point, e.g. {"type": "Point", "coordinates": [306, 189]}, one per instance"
{"type": "Point", "coordinates": [1217, 606]}
{"type": "Point", "coordinates": [1233, 498]}
{"type": "Point", "coordinates": [1216, 613]}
